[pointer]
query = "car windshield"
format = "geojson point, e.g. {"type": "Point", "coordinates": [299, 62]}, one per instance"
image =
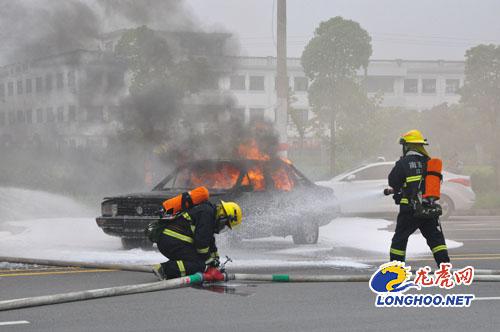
{"type": "Point", "coordinates": [214, 176]}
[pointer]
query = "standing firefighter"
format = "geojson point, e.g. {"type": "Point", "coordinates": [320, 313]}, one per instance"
{"type": "Point", "coordinates": [188, 240]}
{"type": "Point", "coordinates": [417, 210]}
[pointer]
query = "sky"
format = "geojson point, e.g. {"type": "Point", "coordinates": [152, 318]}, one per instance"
{"type": "Point", "coordinates": [400, 29]}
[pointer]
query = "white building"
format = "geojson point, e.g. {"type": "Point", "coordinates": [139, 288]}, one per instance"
{"type": "Point", "coordinates": [43, 97]}
{"type": "Point", "coordinates": [407, 84]}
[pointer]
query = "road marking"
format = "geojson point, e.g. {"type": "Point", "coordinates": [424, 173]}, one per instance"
{"type": "Point", "coordinates": [17, 322]}
{"type": "Point", "coordinates": [464, 255]}
{"type": "Point", "coordinates": [497, 239]}
{"type": "Point", "coordinates": [54, 272]}
{"type": "Point", "coordinates": [487, 298]}
{"type": "Point", "coordinates": [451, 229]}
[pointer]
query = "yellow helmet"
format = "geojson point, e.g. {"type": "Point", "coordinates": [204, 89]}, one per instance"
{"type": "Point", "coordinates": [230, 211]}
{"type": "Point", "coordinates": [413, 137]}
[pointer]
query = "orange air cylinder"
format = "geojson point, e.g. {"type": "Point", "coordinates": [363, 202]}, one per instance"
{"type": "Point", "coordinates": [433, 179]}
{"type": "Point", "coordinates": [186, 200]}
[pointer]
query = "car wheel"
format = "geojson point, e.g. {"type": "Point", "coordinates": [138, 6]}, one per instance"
{"type": "Point", "coordinates": [307, 233]}
{"type": "Point", "coordinates": [447, 206]}
{"type": "Point", "coordinates": [132, 243]}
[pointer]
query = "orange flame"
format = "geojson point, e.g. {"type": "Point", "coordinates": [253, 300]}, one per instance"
{"type": "Point", "coordinates": [252, 151]}
{"type": "Point", "coordinates": [255, 177]}
{"type": "Point", "coordinates": [282, 180]}
{"type": "Point", "coordinates": [223, 178]}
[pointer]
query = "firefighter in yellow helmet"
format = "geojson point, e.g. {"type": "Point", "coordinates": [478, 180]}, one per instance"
{"type": "Point", "coordinates": [407, 182]}
{"type": "Point", "coordinates": [188, 240]}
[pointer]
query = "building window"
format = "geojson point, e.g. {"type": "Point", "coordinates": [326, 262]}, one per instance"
{"type": "Point", "coordinates": [20, 117]}
{"type": "Point", "coordinates": [379, 84]}
{"type": "Point", "coordinates": [257, 83]}
{"type": "Point", "coordinates": [50, 114]}
{"type": "Point", "coordinates": [95, 114]}
{"type": "Point", "coordinates": [238, 82]}
{"type": "Point", "coordinates": [2, 119]}
{"type": "Point", "coordinates": [452, 86]}
{"type": "Point", "coordinates": [300, 84]}
{"type": "Point", "coordinates": [39, 115]}
{"type": "Point", "coordinates": [411, 85]}
{"type": "Point", "coordinates": [429, 86]}
{"type": "Point", "coordinates": [29, 85]}
{"type": "Point", "coordinates": [59, 81]}
{"type": "Point", "coordinates": [12, 117]}
{"type": "Point", "coordinates": [29, 116]}
{"type": "Point", "coordinates": [19, 87]}
{"type": "Point", "coordinates": [60, 114]}
{"type": "Point", "coordinates": [256, 114]}
{"type": "Point", "coordinates": [38, 84]}
{"type": "Point", "coordinates": [71, 79]}
{"type": "Point", "coordinates": [48, 82]}
{"type": "Point", "coordinates": [72, 113]}
{"type": "Point", "coordinates": [2, 90]}
{"type": "Point", "coordinates": [10, 88]}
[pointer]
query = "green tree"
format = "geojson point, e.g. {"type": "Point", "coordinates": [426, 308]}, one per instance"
{"type": "Point", "coordinates": [331, 60]}
{"type": "Point", "coordinates": [481, 92]}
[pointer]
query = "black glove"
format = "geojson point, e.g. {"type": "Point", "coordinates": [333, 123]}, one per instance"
{"type": "Point", "coordinates": [397, 197]}
{"type": "Point", "coordinates": [213, 262]}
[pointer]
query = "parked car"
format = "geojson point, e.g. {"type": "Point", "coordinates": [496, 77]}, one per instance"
{"type": "Point", "coordinates": [359, 191]}
{"type": "Point", "coordinates": [276, 199]}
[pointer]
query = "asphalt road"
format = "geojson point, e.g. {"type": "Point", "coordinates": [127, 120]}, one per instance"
{"type": "Point", "coordinates": [257, 306]}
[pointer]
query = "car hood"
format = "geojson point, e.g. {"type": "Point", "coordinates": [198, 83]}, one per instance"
{"type": "Point", "coordinates": [157, 194]}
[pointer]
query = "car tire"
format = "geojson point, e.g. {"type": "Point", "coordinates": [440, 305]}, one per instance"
{"type": "Point", "coordinates": [307, 233]}
{"type": "Point", "coordinates": [447, 206]}
{"type": "Point", "coordinates": [133, 243]}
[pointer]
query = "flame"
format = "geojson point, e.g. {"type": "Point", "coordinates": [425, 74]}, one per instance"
{"type": "Point", "coordinates": [282, 180]}
{"type": "Point", "coordinates": [255, 177]}
{"type": "Point", "coordinates": [252, 151]}
{"type": "Point", "coordinates": [223, 178]}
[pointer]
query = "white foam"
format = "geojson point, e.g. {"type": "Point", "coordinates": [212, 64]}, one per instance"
{"type": "Point", "coordinates": [370, 235]}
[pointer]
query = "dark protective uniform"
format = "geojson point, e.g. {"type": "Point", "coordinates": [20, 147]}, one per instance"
{"type": "Point", "coordinates": [406, 178]}
{"type": "Point", "coordinates": [188, 241]}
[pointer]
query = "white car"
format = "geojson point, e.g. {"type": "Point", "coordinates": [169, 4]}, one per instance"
{"type": "Point", "coordinates": [360, 191]}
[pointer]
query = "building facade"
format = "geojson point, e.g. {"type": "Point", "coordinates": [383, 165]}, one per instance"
{"type": "Point", "coordinates": [73, 97]}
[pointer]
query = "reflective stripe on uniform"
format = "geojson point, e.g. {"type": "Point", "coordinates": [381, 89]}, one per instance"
{"type": "Point", "coordinates": [178, 236]}
{"type": "Point", "coordinates": [404, 201]}
{"type": "Point", "coordinates": [439, 248]}
{"type": "Point", "coordinates": [186, 216]}
{"type": "Point", "coordinates": [202, 250]}
{"type": "Point", "coordinates": [182, 269]}
{"type": "Point", "coordinates": [214, 254]}
{"type": "Point", "coordinates": [398, 252]}
{"type": "Point", "coordinates": [413, 178]}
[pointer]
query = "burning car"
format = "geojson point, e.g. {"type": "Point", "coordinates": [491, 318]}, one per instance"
{"type": "Point", "coordinates": [276, 199]}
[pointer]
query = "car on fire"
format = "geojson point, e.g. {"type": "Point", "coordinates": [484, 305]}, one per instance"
{"type": "Point", "coordinates": [276, 199]}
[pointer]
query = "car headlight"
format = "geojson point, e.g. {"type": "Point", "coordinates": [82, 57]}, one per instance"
{"type": "Point", "coordinates": [109, 209]}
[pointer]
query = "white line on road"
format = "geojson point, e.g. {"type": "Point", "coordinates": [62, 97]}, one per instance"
{"type": "Point", "coordinates": [450, 229]}
{"type": "Point", "coordinates": [487, 298]}
{"type": "Point", "coordinates": [17, 322]}
{"type": "Point", "coordinates": [476, 239]}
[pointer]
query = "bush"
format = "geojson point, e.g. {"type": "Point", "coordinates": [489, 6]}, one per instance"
{"type": "Point", "coordinates": [490, 200]}
{"type": "Point", "coordinates": [483, 179]}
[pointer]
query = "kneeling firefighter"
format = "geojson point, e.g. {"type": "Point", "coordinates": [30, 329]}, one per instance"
{"type": "Point", "coordinates": [188, 241]}
{"type": "Point", "coordinates": [415, 182]}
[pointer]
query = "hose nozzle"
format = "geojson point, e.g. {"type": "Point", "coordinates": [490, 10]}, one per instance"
{"type": "Point", "coordinates": [388, 191]}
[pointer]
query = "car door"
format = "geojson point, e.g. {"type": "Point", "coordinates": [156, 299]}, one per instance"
{"type": "Point", "coordinates": [363, 190]}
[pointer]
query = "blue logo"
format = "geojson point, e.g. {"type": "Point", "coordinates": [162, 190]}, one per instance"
{"type": "Point", "coordinates": [392, 277]}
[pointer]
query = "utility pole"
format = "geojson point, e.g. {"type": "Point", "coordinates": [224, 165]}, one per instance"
{"type": "Point", "coordinates": [281, 75]}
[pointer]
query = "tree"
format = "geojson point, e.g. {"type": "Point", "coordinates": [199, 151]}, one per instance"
{"type": "Point", "coordinates": [481, 92]}
{"type": "Point", "coordinates": [331, 60]}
